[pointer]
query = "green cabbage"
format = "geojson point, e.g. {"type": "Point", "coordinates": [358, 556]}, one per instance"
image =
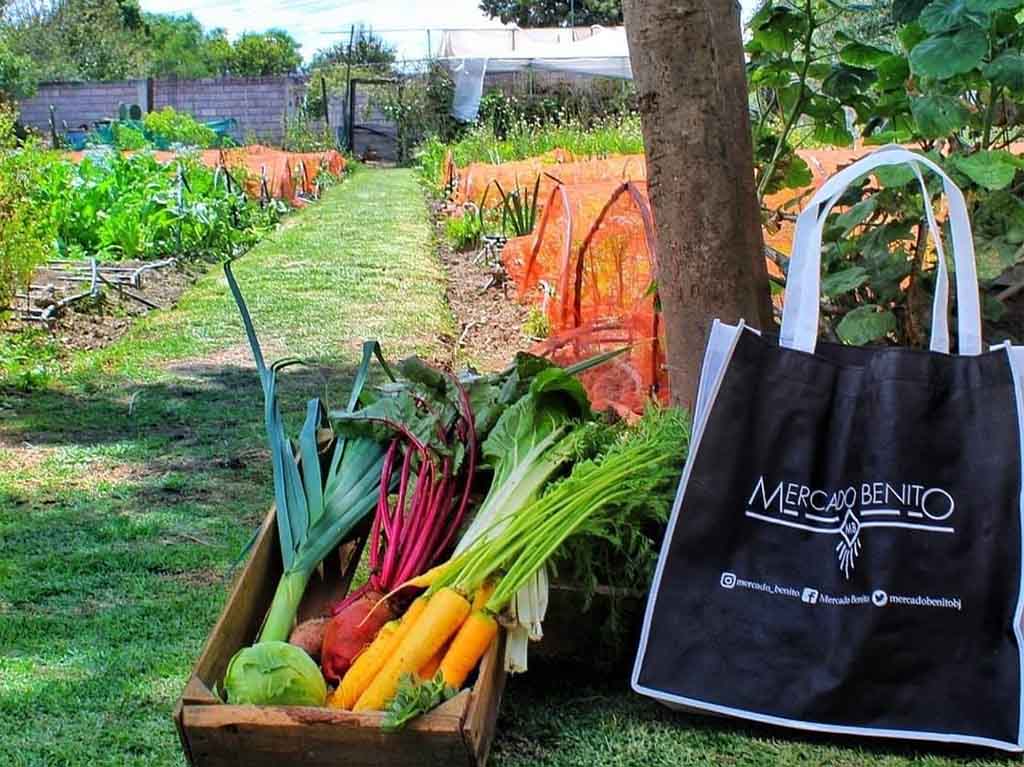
{"type": "Point", "coordinates": [274, 673]}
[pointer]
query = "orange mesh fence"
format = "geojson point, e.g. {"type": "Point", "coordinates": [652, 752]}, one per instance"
{"type": "Point", "coordinates": [629, 381]}
{"type": "Point", "coordinates": [260, 163]}
{"type": "Point", "coordinates": [311, 163]}
{"type": "Point", "coordinates": [590, 264]}
{"type": "Point", "coordinates": [287, 173]}
{"type": "Point", "coordinates": [473, 182]}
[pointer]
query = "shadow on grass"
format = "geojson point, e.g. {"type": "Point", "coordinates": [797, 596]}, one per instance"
{"type": "Point", "coordinates": [201, 406]}
{"type": "Point", "coordinates": [122, 511]}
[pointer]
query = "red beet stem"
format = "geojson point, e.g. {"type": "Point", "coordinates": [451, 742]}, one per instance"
{"type": "Point", "coordinates": [468, 419]}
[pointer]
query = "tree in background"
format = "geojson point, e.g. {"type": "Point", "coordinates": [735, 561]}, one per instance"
{"type": "Point", "coordinates": [259, 54]}
{"type": "Point", "coordinates": [114, 39]}
{"type": "Point", "coordinates": [554, 13]}
{"type": "Point", "coordinates": [368, 49]}
{"type": "Point", "coordinates": [17, 75]}
{"type": "Point", "coordinates": [78, 39]}
{"type": "Point", "coordinates": [179, 45]}
{"type": "Point", "coordinates": [371, 56]}
{"type": "Point", "coordinates": [691, 83]}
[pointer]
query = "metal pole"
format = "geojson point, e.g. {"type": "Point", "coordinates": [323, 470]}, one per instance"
{"type": "Point", "coordinates": [323, 93]}
{"type": "Point", "coordinates": [351, 141]}
{"type": "Point", "coordinates": [572, 13]}
{"type": "Point", "coordinates": [349, 89]}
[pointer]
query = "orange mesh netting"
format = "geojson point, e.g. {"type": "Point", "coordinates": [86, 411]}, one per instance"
{"type": "Point", "coordinates": [258, 161]}
{"type": "Point", "coordinates": [473, 182]}
{"type": "Point", "coordinates": [590, 263]}
{"type": "Point", "coordinates": [311, 162]}
{"type": "Point", "coordinates": [288, 173]}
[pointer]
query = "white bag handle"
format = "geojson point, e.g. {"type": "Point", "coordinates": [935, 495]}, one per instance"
{"type": "Point", "coordinates": [803, 280]}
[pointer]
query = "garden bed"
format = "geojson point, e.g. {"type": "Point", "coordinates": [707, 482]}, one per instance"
{"type": "Point", "coordinates": [488, 318]}
{"type": "Point", "coordinates": [97, 321]}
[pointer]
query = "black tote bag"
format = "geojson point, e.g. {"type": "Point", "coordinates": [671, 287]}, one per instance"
{"type": "Point", "coordinates": [844, 554]}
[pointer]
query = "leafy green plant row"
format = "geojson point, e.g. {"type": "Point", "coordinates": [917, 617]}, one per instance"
{"type": "Point", "coordinates": [113, 206]}
{"type": "Point", "coordinates": [525, 138]}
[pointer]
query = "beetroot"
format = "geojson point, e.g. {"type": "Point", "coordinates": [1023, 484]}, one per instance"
{"type": "Point", "coordinates": [309, 635]}
{"type": "Point", "coordinates": [350, 631]}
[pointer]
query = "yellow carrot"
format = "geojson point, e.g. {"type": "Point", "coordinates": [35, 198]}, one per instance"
{"type": "Point", "coordinates": [483, 594]}
{"type": "Point", "coordinates": [443, 616]}
{"type": "Point", "coordinates": [369, 662]}
{"type": "Point", "coordinates": [426, 580]}
{"type": "Point", "coordinates": [468, 647]}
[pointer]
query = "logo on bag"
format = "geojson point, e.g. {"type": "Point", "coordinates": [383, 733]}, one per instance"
{"type": "Point", "coordinates": [847, 512]}
{"type": "Point", "coordinates": [879, 598]}
{"type": "Point", "coordinates": [809, 596]}
{"type": "Point", "coordinates": [728, 580]}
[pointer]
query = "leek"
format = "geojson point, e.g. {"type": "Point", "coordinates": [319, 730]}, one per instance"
{"type": "Point", "coordinates": [315, 510]}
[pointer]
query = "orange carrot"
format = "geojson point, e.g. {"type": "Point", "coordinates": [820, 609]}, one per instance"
{"type": "Point", "coordinates": [431, 666]}
{"type": "Point", "coordinates": [483, 594]}
{"type": "Point", "coordinates": [444, 614]}
{"type": "Point", "coordinates": [468, 647]}
{"type": "Point", "coordinates": [368, 663]}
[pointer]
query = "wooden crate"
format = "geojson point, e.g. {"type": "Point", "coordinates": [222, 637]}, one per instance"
{"type": "Point", "coordinates": [213, 734]}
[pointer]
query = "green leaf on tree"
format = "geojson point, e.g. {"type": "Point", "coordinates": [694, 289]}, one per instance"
{"type": "Point", "coordinates": [944, 56]}
{"type": "Point", "coordinates": [857, 214]}
{"type": "Point", "coordinates": [892, 176]}
{"type": "Point", "coordinates": [937, 116]}
{"type": "Point", "coordinates": [776, 74]}
{"type": "Point", "coordinates": [844, 82]}
{"type": "Point", "coordinates": [990, 169]}
{"type": "Point", "coordinates": [844, 281]}
{"type": "Point", "coordinates": [906, 11]}
{"type": "Point", "coordinates": [797, 174]}
{"type": "Point", "coordinates": [865, 324]}
{"type": "Point", "coordinates": [993, 255]}
{"type": "Point", "coordinates": [892, 72]}
{"type": "Point", "coordinates": [990, 6]}
{"type": "Point", "coordinates": [776, 29]}
{"type": "Point", "coordinates": [992, 309]}
{"type": "Point", "coordinates": [911, 35]}
{"type": "Point", "coordinates": [948, 15]}
{"type": "Point", "coordinates": [1007, 71]}
{"type": "Point", "coordinates": [861, 55]}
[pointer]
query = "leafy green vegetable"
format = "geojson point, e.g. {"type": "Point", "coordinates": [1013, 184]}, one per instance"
{"type": "Point", "coordinates": [274, 673]}
{"type": "Point", "coordinates": [606, 497]}
{"type": "Point", "coordinates": [415, 697]}
{"type": "Point", "coordinates": [622, 548]}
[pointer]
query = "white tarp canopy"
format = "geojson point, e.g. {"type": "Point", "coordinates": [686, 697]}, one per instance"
{"type": "Point", "coordinates": [600, 51]}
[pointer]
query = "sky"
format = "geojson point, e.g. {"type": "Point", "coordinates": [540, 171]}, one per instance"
{"type": "Point", "coordinates": [319, 23]}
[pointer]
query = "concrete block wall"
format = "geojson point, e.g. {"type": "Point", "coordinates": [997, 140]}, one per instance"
{"type": "Point", "coordinates": [259, 104]}
{"type": "Point", "coordinates": [79, 103]}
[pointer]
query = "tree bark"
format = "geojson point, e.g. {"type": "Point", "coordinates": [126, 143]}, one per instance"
{"type": "Point", "coordinates": [690, 76]}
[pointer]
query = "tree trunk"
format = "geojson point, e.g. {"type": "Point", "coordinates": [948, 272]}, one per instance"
{"type": "Point", "coordinates": [690, 76]}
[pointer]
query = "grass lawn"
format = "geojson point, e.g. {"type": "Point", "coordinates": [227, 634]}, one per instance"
{"type": "Point", "coordinates": [128, 487]}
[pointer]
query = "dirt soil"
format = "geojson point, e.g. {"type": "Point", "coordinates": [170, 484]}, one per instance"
{"type": "Point", "coordinates": [489, 320]}
{"type": "Point", "coordinates": [92, 323]}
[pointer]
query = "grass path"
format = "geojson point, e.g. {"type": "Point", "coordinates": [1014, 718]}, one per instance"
{"type": "Point", "coordinates": [128, 488]}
